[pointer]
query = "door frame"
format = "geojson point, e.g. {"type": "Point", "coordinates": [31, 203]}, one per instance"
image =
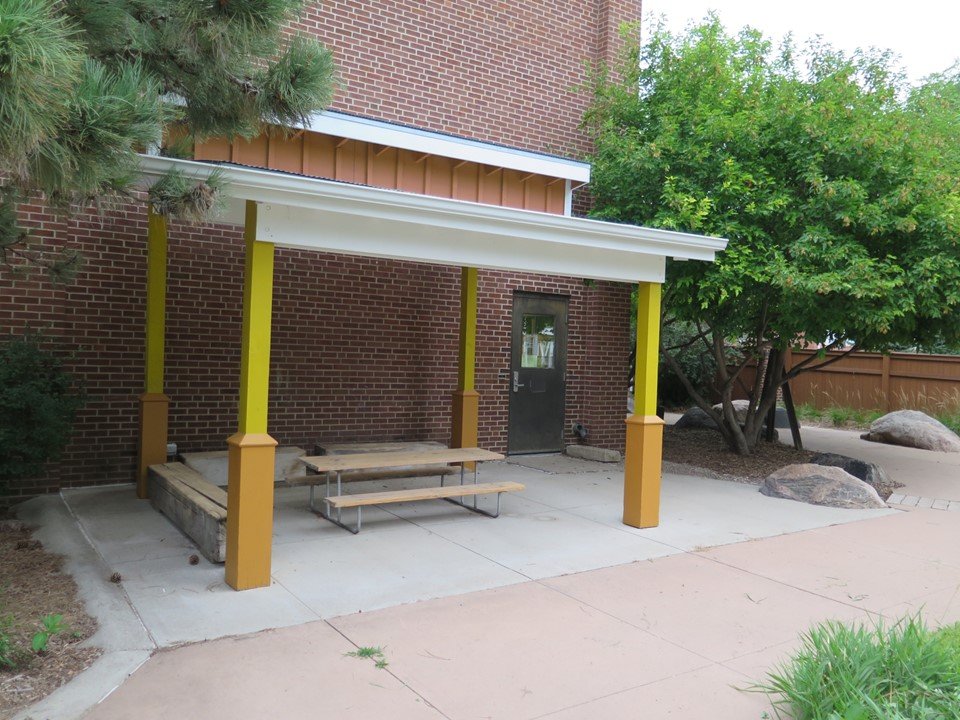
{"type": "Point", "coordinates": [561, 355]}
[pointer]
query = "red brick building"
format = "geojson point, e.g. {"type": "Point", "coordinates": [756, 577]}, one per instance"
{"type": "Point", "coordinates": [499, 74]}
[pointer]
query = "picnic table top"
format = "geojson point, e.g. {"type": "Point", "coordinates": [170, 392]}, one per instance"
{"type": "Point", "coordinates": [402, 458]}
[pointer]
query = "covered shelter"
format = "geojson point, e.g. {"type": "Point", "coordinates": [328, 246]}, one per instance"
{"type": "Point", "coordinates": [290, 209]}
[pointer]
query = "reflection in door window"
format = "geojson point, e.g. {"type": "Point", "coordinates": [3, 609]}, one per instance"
{"type": "Point", "coordinates": [538, 341]}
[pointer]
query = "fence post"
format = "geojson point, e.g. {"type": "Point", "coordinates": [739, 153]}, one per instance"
{"type": "Point", "coordinates": [885, 383]}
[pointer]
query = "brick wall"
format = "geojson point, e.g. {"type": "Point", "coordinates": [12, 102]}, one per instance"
{"type": "Point", "coordinates": [363, 348]}
{"type": "Point", "coordinates": [497, 71]}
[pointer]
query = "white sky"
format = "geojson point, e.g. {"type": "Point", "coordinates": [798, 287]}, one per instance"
{"type": "Point", "coordinates": [925, 33]}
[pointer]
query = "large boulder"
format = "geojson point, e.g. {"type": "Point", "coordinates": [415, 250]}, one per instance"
{"type": "Point", "coordinates": [869, 472]}
{"type": "Point", "coordinates": [821, 485]}
{"type": "Point", "coordinates": [695, 418]}
{"type": "Point", "coordinates": [740, 408]}
{"type": "Point", "coordinates": [913, 429]}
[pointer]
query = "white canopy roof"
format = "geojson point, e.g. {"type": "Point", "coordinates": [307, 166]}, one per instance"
{"type": "Point", "coordinates": [326, 215]}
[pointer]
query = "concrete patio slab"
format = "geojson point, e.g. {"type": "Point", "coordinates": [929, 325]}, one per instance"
{"type": "Point", "coordinates": [870, 579]}
{"type": "Point", "coordinates": [551, 543]}
{"type": "Point", "coordinates": [545, 652]}
{"type": "Point", "coordinates": [737, 612]}
{"type": "Point", "coordinates": [565, 491]}
{"type": "Point", "coordinates": [715, 688]}
{"type": "Point", "coordinates": [932, 538]}
{"type": "Point", "coordinates": [297, 673]}
{"type": "Point", "coordinates": [692, 504]}
{"type": "Point", "coordinates": [559, 463]}
{"type": "Point", "coordinates": [180, 602]}
{"type": "Point", "coordinates": [564, 522]}
{"type": "Point", "coordinates": [374, 570]}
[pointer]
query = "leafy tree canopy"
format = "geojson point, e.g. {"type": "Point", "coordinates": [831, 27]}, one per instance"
{"type": "Point", "coordinates": [85, 84]}
{"type": "Point", "coordinates": [834, 181]}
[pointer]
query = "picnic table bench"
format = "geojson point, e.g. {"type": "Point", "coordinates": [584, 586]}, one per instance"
{"type": "Point", "coordinates": [327, 466]}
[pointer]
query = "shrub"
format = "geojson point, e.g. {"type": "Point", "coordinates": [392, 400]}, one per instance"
{"type": "Point", "coordinates": [698, 365]}
{"type": "Point", "coordinates": [38, 403]}
{"type": "Point", "coordinates": [903, 672]}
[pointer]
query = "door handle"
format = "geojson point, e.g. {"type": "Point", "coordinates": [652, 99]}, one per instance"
{"type": "Point", "coordinates": [516, 381]}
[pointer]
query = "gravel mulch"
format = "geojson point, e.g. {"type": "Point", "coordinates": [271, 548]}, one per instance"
{"type": "Point", "coordinates": [33, 585]}
{"type": "Point", "coordinates": [705, 449]}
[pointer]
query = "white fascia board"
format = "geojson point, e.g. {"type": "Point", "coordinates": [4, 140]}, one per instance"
{"type": "Point", "coordinates": [368, 235]}
{"type": "Point", "coordinates": [297, 211]}
{"type": "Point", "coordinates": [450, 146]}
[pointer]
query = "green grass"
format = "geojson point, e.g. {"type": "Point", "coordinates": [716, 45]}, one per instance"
{"type": "Point", "coordinates": [845, 416]}
{"type": "Point", "coordinates": [949, 637]}
{"type": "Point", "coordinates": [370, 653]}
{"type": "Point", "coordinates": [902, 672]}
{"type": "Point", "coordinates": [951, 420]}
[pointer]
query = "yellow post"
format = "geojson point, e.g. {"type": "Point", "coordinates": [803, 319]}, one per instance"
{"type": "Point", "coordinates": [154, 405]}
{"type": "Point", "coordinates": [641, 481]}
{"type": "Point", "coordinates": [466, 400]}
{"type": "Point", "coordinates": [251, 450]}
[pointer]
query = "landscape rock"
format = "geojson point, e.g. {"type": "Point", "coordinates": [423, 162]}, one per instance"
{"type": "Point", "coordinates": [913, 428]}
{"type": "Point", "coordinates": [589, 452]}
{"type": "Point", "coordinates": [695, 418]}
{"type": "Point", "coordinates": [821, 485]}
{"type": "Point", "coordinates": [740, 408]}
{"type": "Point", "coordinates": [870, 473]}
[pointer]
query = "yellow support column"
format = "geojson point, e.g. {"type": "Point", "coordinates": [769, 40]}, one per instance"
{"type": "Point", "coordinates": [641, 481]}
{"type": "Point", "coordinates": [154, 405]}
{"type": "Point", "coordinates": [466, 400]}
{"type": "Point", "coordinates": [251, 449]}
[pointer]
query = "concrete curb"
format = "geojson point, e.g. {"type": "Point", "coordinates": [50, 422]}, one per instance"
{"type": "Point", "coordinates": [121, 634]}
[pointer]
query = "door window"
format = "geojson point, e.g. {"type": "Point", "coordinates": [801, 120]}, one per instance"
{"type": "Point", "coordinates": [539, 341]}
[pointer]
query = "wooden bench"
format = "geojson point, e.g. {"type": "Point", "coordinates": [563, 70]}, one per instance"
{"type": "Point", "coordinates": [334, 465]}
{"type": "Point", "coordinates": [196, 506]}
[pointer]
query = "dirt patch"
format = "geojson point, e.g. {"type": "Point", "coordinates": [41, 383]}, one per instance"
{"type": "Point", "coordinates": [33, 586]}
{"type": "Point", "coordinates": [705, 448]}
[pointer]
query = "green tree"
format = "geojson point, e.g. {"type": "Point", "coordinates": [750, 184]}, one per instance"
{"type": "Point", "coordinates": [835, 184]}
{"type": "Point", "coordinates": [86, 84]}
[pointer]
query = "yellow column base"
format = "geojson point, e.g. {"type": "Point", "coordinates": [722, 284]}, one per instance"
{"type": "Point", "coordinates": [641, 474]}
{"type": "Point", "coordinates": [466, 418]}
{"type": "Point", "coordinates": [249, 510]}
{"type": "Point", "coordinates": [152, 448]}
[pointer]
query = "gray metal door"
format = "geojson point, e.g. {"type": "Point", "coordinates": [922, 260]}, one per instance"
{"type": "Point", "coordinates": [537, 373]}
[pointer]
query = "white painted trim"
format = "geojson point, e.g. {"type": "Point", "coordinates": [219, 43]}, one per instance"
{"type": "Point", "coordinates": [450, 146]}
{"type": "Point", "coordinates": [304, 212]}
{"type": "Point", "coordinates": [567, 198]}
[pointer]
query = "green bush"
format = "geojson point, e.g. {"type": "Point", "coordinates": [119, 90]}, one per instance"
{"type": "Point", "coordinates": [903, 672]}
{"type": "Point", "coordinates": [697, 364]}
{"type": "Point", "coordinates": [38, 403]}
{"type": "Point", "coordinates": [949, 637]}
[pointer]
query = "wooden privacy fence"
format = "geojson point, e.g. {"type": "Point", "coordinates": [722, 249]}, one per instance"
{"type": "Point", "coordinates": [871, 381]}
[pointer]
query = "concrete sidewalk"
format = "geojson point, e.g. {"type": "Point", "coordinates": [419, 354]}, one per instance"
{"type": "Point", "coordinates": [675, 636]}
